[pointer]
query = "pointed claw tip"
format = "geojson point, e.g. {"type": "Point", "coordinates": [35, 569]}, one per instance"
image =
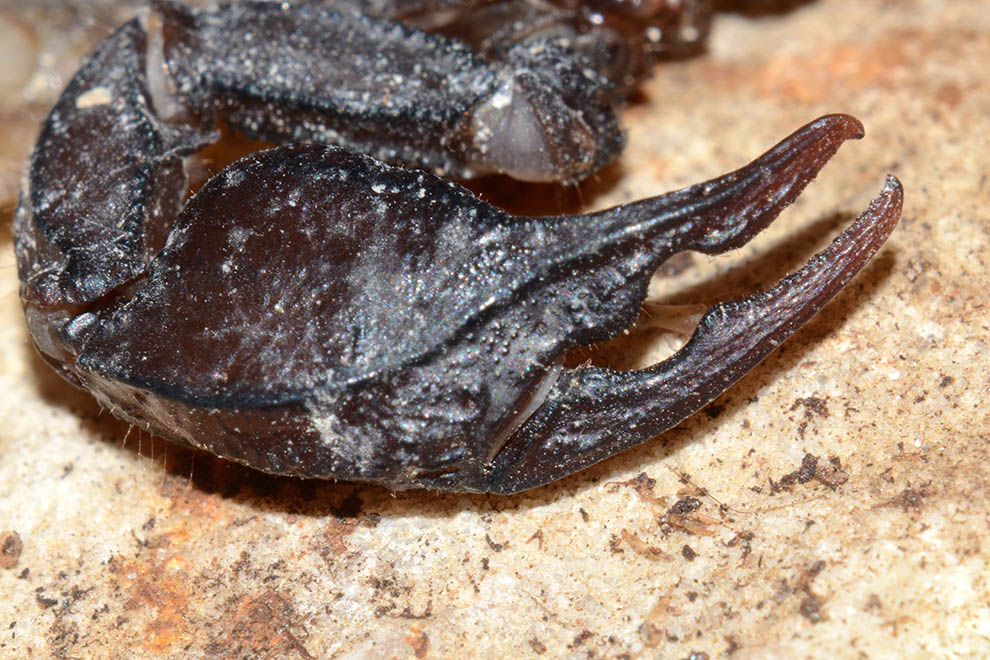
{"type": "Point", "coordinates": [847, 126]}
{"type": "Point", "coordinates": [883, 214]}
{"type": "Point", "coordinates": [892, 194]}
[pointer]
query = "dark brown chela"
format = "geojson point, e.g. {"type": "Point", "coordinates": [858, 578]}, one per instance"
{"type": "Point", "coordinates": [312, 311]}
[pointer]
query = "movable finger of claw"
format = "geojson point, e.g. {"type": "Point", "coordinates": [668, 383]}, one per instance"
{"type": "Point", "coordinates": [595, 413]}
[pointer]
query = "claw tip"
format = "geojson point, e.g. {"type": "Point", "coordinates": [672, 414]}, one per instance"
{"type": "Point", "coordinates": [850, 127]}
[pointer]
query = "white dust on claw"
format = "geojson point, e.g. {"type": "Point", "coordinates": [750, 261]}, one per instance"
{"type": "Point", "coordinates": [350, 454]}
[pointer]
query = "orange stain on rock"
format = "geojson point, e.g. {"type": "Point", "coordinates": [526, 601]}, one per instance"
{"type": "Point", "coordinates": [419, 641]}
{"type": "Point", "coordinates": [159, 587]}
{"type": "Point", "coordinates": [264, 625]}
{"type": "Point", "coordinates": [207, 509]}
{"type": "Point", "coordinates": [816, 77]}
{"type": "Point", "coordinates": [895, 60]}
{"type": "Point", "coordinates": [337, 531]}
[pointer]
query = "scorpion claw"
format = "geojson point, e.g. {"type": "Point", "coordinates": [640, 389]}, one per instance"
{"type": "Point", "coordinates": [594, 413]}
{"type": "Point", "coordinates": [312, 311]}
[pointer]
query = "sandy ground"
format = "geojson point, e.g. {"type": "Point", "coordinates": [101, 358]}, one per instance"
{"type": "Point", "coordinates": [127, 547]}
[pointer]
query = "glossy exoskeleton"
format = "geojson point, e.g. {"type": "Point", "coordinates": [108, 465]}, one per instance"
{"type": "Point", "coordinates": [312, 311]}
{"type": "Point", "coordinates": [539, 112]}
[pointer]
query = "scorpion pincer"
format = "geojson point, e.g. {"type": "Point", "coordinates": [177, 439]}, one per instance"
{"type": "Point", "coordinates": [313, 311]}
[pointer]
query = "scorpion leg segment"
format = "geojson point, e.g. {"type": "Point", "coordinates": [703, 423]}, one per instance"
{"type": "Point", "coordinates": [594, 413]}
{"type": "Point", "coordinates": [106, 179]}
{"type": "Point", "coordinates": [286, 72]}
{"type": "Point", "coordinates": [622, 39]}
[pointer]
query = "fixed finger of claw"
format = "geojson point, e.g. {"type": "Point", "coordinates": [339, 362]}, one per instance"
{"type": "Point", "coordinates": [782, 173]}
{"type": "Point", "coordinates": [595, 413]}
{"type": "Point", "coordinates": [726, 212]}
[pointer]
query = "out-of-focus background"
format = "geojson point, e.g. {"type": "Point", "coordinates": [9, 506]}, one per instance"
{"type": "Point", "coordinates": [725, 537]}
